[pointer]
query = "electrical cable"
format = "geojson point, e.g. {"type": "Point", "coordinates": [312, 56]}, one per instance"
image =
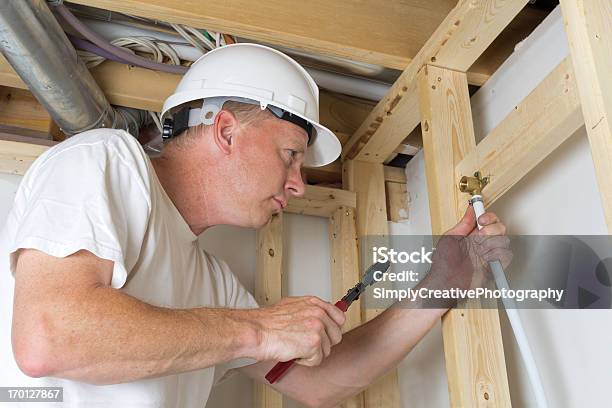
{"type": "Point", "coordinates": [208, 42]}
{"type": "Point", "coordinates": [110, 48]}
{"type": "Point", "coordinates": [91, 49]}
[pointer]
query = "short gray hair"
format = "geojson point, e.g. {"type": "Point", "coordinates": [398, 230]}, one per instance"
{"type": "Point", "coordinates": [247, 114]}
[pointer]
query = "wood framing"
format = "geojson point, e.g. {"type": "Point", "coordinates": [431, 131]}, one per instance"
{"type": "Point", "coordinates": [334, 29]}
{"type": "Point", "coordinates": [473, 347]}
{"type": "Point", "coordinates": [461, 38]}
{"type": "Point", "coordinates": [19, 108]}
{"type": "Point", "coordinates": [344, 269]}
{"type": "Point", "coordinates": [268, 290]}
{"type": "Point", "coordinates": [367, 180]}
{"type": "Point", "coordinates": [18, 153]}
{"type": "Point", "coordinates": [397, 201]}
{"type": "Point", "coordinates": [321, 201]}
{"type": "Point", "coordinates": [345, 272]}
{"type": "Point", "coordinates": [589, 30]}
{"type": "Point", "coordinates": [549, 115]}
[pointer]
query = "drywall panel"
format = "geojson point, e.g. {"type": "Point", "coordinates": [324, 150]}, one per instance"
{"type": "Point", "coordinates": [534, 59]}
{"type": "Point", "coordinates": [568, 345]}
{"type": "Point", "coordinates": [308, 256]}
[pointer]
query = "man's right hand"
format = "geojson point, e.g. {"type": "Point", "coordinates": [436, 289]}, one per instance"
{"type": "Point", "coordinates": [304, 328]}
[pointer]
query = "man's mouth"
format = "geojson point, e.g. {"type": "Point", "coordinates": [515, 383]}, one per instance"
{"type": "Point", "coordinates": [281, 204]}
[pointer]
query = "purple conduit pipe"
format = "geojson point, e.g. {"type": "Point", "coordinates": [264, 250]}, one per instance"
{"type": "Point", "coordinates": [111, 49]}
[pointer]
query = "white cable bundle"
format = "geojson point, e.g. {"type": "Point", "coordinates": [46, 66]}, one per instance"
{"type": "Point", "coordinates": [198, 39]}
{"type": "Point", "coordinates": [146, 45]}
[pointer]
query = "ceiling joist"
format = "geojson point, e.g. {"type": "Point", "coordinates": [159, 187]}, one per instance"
{"type": "Point", "coordinates": [387, 33]}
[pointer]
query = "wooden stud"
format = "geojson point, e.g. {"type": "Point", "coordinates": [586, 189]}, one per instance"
{"type": "Point", "coordinates": [473, 347]}
{"type": "Point", "coordinates": [395, 174]}
{"type": "Point", "coordinates": [268, 290]}
{"type": "Point", "coordinates": [17, 153]}
{"type": "Point", "coordinates": [368, 181]}
{"type": "Point", "coordinates": [460, 39]}
{"type": "Point", "coordinates": [321, 201]}
{"type": "Point", "coordinates": [399, 120]}
{"type": "Point", "coordinates": [448, 135]}
{"type": "Point", "coordinates": [19, 108]}
{"type": "Point", "coordinates": [589, 31]}
{"type": "Point", "coordinates": [344, 263]}
{"type": "Point", "coordinates": [345, 272]}
{"type": "Point", "coordinates": [547, 117]}
{"type": "Point", "coordinates": [343, 114]}
{"type": "Point", "coordinates": [397, 201]}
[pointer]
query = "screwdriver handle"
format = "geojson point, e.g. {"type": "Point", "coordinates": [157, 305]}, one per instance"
{"type": "Point", "coordinates": [281, 367]}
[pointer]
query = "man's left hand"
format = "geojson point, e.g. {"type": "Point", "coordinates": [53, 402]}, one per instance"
{"type": "Point", "coordinates": [462, 255]}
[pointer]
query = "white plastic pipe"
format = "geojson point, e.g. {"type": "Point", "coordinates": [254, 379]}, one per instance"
{"type": "Point", "coordinates": [514, 318]}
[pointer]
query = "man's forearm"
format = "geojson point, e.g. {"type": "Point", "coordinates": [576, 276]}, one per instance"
{"type": "Point", "coordinates": [365, 353]}
{"type": "Point", "coordinates": [109, 337]}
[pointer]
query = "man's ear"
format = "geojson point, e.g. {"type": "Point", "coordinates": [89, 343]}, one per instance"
{"type": "Point", "coordinates": [225, 130]}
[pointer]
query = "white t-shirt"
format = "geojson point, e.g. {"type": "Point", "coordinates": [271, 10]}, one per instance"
{"type": "Point", "coordinates": [98, 191]}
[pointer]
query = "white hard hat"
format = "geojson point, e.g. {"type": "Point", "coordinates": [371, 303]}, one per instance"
{"type": "Point", "coordinates": [255, 73]}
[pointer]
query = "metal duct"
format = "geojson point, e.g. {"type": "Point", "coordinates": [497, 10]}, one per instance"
{"type": "Point", "coordinates": [37, 48]}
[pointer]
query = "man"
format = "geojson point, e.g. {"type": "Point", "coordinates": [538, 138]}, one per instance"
{"type": "Point", "coordinates": [114, 301]}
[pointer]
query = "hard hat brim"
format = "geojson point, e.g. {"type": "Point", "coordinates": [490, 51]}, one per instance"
{"type": "Point", "coordinates": [323, 149]}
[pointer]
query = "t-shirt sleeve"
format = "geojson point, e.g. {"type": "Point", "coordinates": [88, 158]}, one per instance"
{"type": "Point", "coordinates": [85, 197]}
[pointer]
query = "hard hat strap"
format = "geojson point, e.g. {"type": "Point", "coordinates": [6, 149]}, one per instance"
{"type": "Point", "coordinates": [188, 116]}
{"type": "Point", "coordinates": [295, 119]}
{"type": "Point", "coordinates": [174, 126]}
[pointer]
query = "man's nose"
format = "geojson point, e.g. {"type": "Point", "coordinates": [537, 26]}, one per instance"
{"type": "Point", "coordinates": [294, 183]}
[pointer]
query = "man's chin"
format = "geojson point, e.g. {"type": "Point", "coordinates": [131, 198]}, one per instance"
{"type": "Point", "coordinates": [265, 222]}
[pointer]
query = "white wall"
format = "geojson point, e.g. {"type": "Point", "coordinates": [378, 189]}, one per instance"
{"type": "Point", "coordinates": [571, 347]}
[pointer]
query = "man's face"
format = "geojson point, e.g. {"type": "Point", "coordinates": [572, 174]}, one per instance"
{"type": "Point", "coordinates": [270, 156]}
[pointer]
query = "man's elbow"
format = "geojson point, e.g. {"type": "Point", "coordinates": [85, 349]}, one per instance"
{"type": "Point", "coordinates": [33, 352]}
{"type": "Point", "coordinates": [33, 362]}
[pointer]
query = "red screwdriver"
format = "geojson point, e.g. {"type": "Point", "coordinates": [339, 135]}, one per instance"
{"type": "Point", "coordinates": [343, 304]}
